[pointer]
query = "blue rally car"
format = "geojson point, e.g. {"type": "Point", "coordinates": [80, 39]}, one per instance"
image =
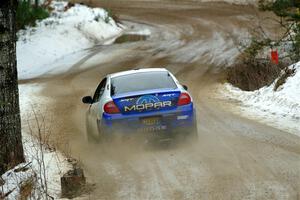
{"type": "Point", "coordinates": [144, 101]}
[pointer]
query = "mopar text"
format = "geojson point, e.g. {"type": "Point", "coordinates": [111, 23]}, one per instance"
{"type": "Point", "coordinates": [147, 106]}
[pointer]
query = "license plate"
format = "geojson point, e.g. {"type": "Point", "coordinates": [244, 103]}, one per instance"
{"type": "Point", "coordinates": [150, 121]}
{"type": "Point", "coordinates": [152, 129]}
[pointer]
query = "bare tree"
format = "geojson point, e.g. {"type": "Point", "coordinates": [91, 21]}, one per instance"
{"type": "Point", "coordinates": [11, 149]}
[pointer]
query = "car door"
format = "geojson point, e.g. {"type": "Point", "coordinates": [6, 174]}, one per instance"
{"type": "Point", "coordinates": [95, 109]}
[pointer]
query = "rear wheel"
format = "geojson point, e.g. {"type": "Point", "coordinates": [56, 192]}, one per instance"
{"type": "Point", "coordinates": [102, 133]}
{"type": "Point", "coordinates": [91, 138]}
{"type": "Point", "coordinates": [192, 132]}
{"type": "Point", "coordinates": [187, 133]}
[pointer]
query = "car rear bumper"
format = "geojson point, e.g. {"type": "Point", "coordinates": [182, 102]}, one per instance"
{"type": "Point", "coordinates": [183, 117]}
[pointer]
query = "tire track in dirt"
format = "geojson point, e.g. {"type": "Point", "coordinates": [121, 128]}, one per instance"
{"type": "Point", "coordinates": [235, 158]}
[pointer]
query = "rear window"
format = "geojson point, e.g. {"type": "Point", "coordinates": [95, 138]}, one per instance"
{"type": "Point", "coordinates": [141, 81]}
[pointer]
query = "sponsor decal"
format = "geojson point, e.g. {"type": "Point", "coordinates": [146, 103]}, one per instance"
{"type": "Point", "coordinates": [127, 100]}
{"type": "Point", "coordinates": [169, 95]}
{"type": "Point", "coordinates": [148, 102]}
{"type": "Point", "coordinates": [147, 99]}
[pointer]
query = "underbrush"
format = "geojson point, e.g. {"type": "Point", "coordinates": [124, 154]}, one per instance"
{"type": "Point", "coordinates": [284, 76]}
{"type": "Point", "coordinates": [255, 69]}
{"type": "Point", "coordinates": [111, 15]}
{"type": "Point", "coordinates": [251, 75]}
{"type": "Point", "coordinates": [27, 14]}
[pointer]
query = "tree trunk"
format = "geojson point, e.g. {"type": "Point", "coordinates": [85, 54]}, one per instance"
{"type": "Point", "coordinates": [36, 4]}
{"type": "Point", "coordinates": [11, 149]}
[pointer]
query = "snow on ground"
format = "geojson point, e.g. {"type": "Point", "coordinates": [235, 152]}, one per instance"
{"type": "Point", "coordinates": [279, 108]}
{"type": "Point", "coordinates": [54, 165]}
{"type": "Point", "coordinates": [52, 47]}
{"type": "Point", "coordinates": [218, 50]}
{"type": "Point", "coordinates": [29, 99]}
{"type": "Point", "coordinates": [13, 179]}
{"type": "Point", "coordinates": [63, 33]}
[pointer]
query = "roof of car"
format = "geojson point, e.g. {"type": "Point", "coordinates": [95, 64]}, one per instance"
{"type": "Point", "coordinates": [138, 71]}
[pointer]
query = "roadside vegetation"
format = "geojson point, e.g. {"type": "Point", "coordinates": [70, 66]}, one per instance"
{"type": "Point", "coordinates": [28, 13]}
{"type": "Point", "coordinates": [41, 172]}
{"type": "Point", "coordinates": [111, 15]}
{"type": "Point", "coordinates": [253, 74]}
{"type": "Point", "coordinates": [254, 69]}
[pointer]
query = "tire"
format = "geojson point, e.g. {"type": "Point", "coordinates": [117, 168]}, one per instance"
{"type": "Point", "coordinates": [89, 136]}
{"type": "Point", "coordinates": [192, 133]}
{"type": "Point", "coordinates": [194, 130]}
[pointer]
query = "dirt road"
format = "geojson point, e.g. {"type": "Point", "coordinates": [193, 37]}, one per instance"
{"type": "Point", "coordinates": [235, 158]}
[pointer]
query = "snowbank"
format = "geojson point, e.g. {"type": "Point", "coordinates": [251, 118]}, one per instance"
{"type": "Point", "coordinates": [13, 179]}
{"type": "Point", "coordinates": [63, 33]}
{"type": "Point", "coordinates": [280, 108]}
{"type": "Point", "coordinates": [43, 168]}
{"type": "Point", "coordinates": [54, 164]}
{"type": "Point", "coordinates": [51, 47]}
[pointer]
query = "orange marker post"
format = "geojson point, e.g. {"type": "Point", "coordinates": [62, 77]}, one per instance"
{"type": "Point", "coordinates": [274, 56]}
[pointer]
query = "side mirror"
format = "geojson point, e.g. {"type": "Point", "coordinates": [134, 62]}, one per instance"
{"type": "Point", "coordinates": [87, 100]}
{"type": "Point", "coordinates": [185, 87]}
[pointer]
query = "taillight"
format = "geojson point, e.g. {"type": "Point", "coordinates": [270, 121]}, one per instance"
{"type": "Point", "coordinates": [184, 99]}
{"type": "Point", "coordinates": [111, 108]}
